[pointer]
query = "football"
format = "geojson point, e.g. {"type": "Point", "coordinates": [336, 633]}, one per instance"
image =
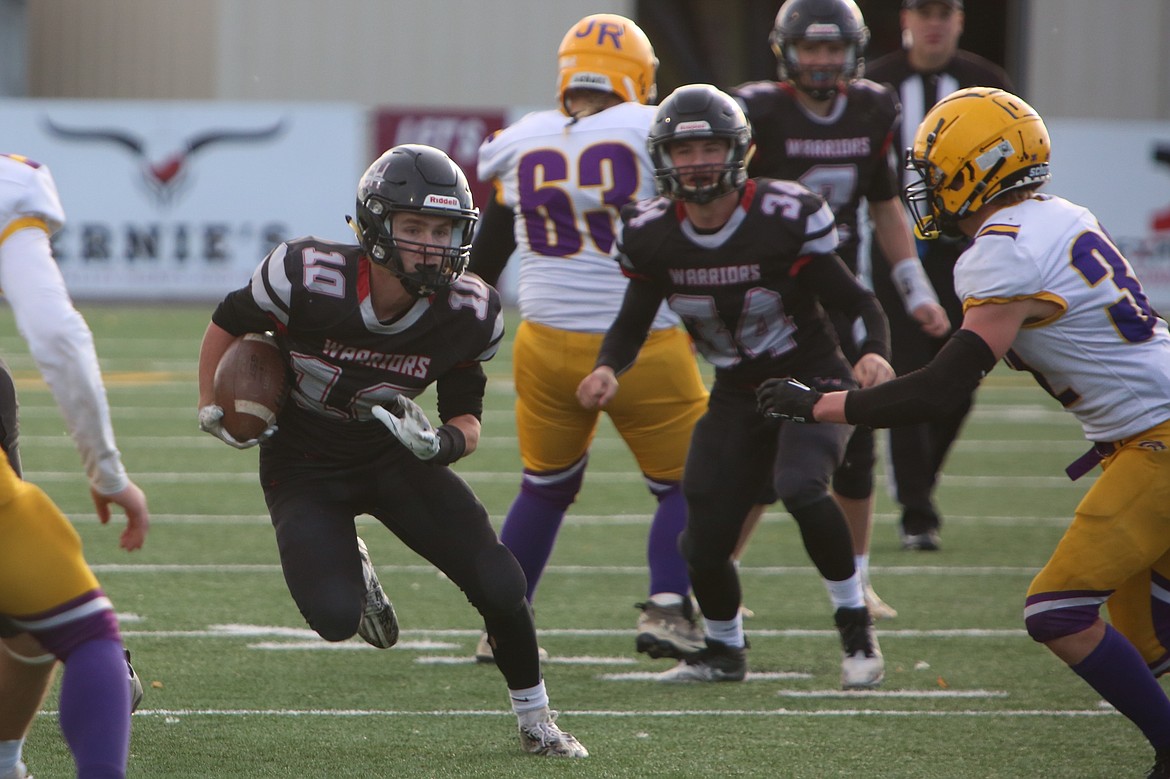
{"type": "Point", "coordinates": [251, 385]}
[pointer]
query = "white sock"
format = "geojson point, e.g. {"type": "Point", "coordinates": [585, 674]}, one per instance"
{"type": "Point", "coordinates": [665, 599]}
{"type": "Point", "coordinates": [10, 755]}
{"type": "Point", "coordinates": [530, 699]}
{"type": "Point", "coordinates": [861, 563]}
{"type": "Point", "coordinates": [727, 631]}
{"type": "Point", "coordinates": [846, 594]}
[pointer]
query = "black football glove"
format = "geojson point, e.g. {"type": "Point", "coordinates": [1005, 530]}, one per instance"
{"type": "Point", "coordinates": [787, 399]}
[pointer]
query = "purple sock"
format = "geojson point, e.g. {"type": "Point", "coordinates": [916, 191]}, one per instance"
{"type": "Point", "coordinates": [1116, 670]}
{"type": "Point", "coordinates": [668, 569]}
{"type": "Point", "coordinates": [530, 529]}
{"type": "Point", "coordinates": [95, 709]}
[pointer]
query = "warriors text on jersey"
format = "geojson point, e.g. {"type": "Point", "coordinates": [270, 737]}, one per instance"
{"type": "Point", "coordinates": [843, 157]}
{"type": "Point", "coordinates": [566, 179]}
{"type": "Point", "coordinates": [742, 291]}
{"type": "Point", "coordinates": [315, 295]}
{"type": "Point", "coordinates": [1106, 355]}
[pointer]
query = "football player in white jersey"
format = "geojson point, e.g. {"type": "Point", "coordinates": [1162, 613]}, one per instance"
{"type": "Point", "coordinates": [62, 346]}
{"type": "Point", "coordinates": [561, 176]}
{"type": "Point", "coordinates": [1044, 288]}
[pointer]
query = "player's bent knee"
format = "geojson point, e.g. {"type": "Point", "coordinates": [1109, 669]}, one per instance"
{"type": "Point", "coordinates": [500, 581]}
{"type": "Point", "coordinates": [1050, 624]}
{"type": "Point", "coordinates": [558, 489]}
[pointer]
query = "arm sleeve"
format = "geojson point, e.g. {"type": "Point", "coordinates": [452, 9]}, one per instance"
{"type": "Point", "coordinates": [626, 335]}
{"type": "Point", "coordinates": [839, 289]}
{"type": "Point", "coordinates": [495, 240]}
{"type": "Point", "coordinates": [62, 346]}
{"type": "Point", "coordinates": [460, 391]}
{"type": "Point", "coordinates": [927, 393]}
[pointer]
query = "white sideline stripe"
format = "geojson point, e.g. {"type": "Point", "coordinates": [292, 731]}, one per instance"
{"type": "Point", "coordinates": [312, 640]}
{"type": "Point", "coordinates": [418, 646]}
{"type": "Point", "coordinates": [1006, 713]}
{"type": "Point", "coordinates": [555, 660]}
{"type": "Point", "coordinates": [607, 570]}
{"type": "Point", "coordinates": [892, 693]}
{"type": "Point", "coordinates": [250, 476]}
{"type": "Point", "coordinates": [752, 676]}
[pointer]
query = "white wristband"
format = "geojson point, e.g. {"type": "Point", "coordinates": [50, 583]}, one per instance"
{"type": "Point", "coordinates": [912, 284]}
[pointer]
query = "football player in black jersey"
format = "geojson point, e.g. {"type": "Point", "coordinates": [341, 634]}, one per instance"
{"type": "Point", "coordinates": [745, 263]}
{"type": "Point", "coordinates": [364, 329]}
{"type": "Point", "coordinates": [823, 125]}
{"type": "Point", "coordinates": [929, 67]}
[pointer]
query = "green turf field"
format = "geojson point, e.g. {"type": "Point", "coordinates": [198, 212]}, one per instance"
{"type": "Point", "coordinates": [237, 686]}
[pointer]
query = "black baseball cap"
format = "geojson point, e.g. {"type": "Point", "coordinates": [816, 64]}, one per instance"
{"type": "Point", "coordinates": [956, 4]}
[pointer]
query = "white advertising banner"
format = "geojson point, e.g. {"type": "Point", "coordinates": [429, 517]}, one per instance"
{"type": "Point", "coordinates": [181, 200]}
{"type": "Point", "coordinates": [1120, 170]}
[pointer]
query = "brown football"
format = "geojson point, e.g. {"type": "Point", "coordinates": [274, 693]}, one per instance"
{"type": "Point", "coordinates": [251, 385]}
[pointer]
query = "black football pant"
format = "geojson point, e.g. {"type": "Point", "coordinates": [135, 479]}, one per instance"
{"type": "Point", "coordinates": [917, 452]}
{"type": "Point", "coordinates": [734, 453]}
{"type": "Point", "coordinates": [431, 510]}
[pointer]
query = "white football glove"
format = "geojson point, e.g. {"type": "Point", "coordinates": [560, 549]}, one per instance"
{"type": "Point", "coordinates": [409, 425]}
{"type": "Point", "coordinates": [211, 421]}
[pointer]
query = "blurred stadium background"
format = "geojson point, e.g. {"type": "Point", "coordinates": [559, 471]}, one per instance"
{"type": "Point", "coordinates": [187, 137]}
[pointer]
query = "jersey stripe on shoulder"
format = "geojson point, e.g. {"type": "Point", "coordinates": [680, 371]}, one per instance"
{"type": "Point", "coordinates": [1007, 231]}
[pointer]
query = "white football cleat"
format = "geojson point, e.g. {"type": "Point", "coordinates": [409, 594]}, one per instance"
{"type": "Point", "coordinates": [668, 631]}
{"type": "Point", "coordinates": [379, 625]}
{"type": "Point", "coordinates": [539, 735]}
{"type": "Point", "coordinates": [862, 667]}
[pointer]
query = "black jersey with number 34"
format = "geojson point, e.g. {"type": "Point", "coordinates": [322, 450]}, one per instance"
{"type": "Point", "coordinates": [315, 296]}
{"type": "Point", "coordinates": [738, 290]}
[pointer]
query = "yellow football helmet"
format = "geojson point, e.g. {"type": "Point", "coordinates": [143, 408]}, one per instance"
{"type": "Point", "coordinates": [973, 146]}
{"type": "Point", "coordinates": [609, 53]}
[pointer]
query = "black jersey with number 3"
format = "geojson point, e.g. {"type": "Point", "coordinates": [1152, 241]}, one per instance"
{"type": "Point", "coordinates": [315, 296]}
{"type": "Point", "coordinates": [739, 290]}
{"type": "Point", "coordinates": [843, 157]}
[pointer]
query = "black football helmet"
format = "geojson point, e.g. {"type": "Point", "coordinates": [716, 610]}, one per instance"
{"type": "Point", "coordinates": [819, 20]}
{"type": "Point", "coordinates": [699, 111]}
{"type": "Point", "coordinates": [416, 179]}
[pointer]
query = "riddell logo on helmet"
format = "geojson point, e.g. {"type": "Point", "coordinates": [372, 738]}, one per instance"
{"type": "Point", "coordinates": [692, 127]}
{"type": "Point", "coordinates": [589, 81]}
{"type": "Point", "coordinates": [441, 201]}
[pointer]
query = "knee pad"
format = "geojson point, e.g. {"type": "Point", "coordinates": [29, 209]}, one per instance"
{"type": "Point", "coordinates": [1046, 622]}
{"type": "Point", "coordinates": [501, 583]}
{"type": "Point", "coordinates": [559, 488]}
{"type": "Point", "coordinates": [854, 477]}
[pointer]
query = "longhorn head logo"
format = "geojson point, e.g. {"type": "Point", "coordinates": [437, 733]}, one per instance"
{"type": "Point", "coordinates": [164, 176]}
